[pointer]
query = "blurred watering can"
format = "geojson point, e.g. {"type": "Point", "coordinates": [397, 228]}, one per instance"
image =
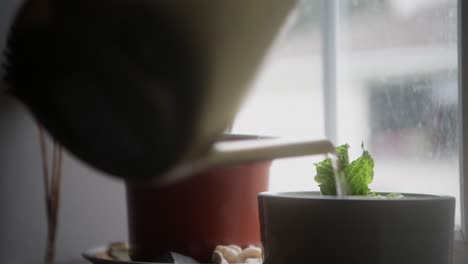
{"type": "Point", "coordinates": [144, 88]}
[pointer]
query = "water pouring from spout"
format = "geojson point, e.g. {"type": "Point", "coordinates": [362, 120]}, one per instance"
{"type": "Point", "coordinates": [341, 187]}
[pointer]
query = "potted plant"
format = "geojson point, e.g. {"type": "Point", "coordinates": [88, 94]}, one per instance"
{"type": "Point", "coordinates": [360, 227]}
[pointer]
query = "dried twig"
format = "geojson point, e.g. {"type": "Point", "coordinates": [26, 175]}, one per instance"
{"type": "Point", "coordinates": [52, 185]}
{"type": "Point", "coordinates": [45, 167]}
{"type": "Point", "coordinates": [58, 181]}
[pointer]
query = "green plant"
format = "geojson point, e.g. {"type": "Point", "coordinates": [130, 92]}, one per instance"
{"type": "Point", "coordinates": [356, 176]}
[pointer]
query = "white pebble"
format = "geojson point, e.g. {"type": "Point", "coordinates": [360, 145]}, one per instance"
{"type": "Point", "coordinates": [228, 253]}
{"type": "Point", "coordinates": [250, 252]}
{"type": "Point", "coordinates": [236, 248]}
{"type": "Point", "coordinates": [218, 258]}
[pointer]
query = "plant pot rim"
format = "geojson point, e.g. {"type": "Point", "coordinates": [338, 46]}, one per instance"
{"type": "Point", "coordinates": [241, 136]}
{"type": "Point", "coordinates": [315, 196]}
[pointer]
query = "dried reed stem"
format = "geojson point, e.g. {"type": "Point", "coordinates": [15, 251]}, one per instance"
{"type": "Point", "coordinates": [52, 185]}
{"type": "Point", "coordinates": [45, 167]}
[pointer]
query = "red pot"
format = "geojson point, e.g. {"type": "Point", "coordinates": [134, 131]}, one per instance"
{"type": "Point", "coordinates": [215, 207]}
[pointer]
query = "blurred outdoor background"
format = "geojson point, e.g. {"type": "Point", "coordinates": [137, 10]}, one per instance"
{"type": "Point", "coordinates": [396, 91]}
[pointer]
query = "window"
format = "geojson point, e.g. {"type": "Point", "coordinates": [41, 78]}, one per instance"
{"type": "Point", "coordinates": [287, 98]}
{"type": "Point", "coordinates": [400, 58]}
{"type": "Point", "coordinates": [383, 72]}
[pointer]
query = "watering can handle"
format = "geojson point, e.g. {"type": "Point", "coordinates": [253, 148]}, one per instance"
{"type": "Point", "coordinates": [244, 151]}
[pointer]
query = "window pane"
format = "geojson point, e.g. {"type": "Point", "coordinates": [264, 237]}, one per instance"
{"type": "Point", "coordinates": [397, 91]}
{"type": "Point", "coordinates": [287, 97]}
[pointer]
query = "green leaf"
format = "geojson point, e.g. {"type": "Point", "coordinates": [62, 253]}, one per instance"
{"type": "Point", "coordinates": [325, 173]}
{"type": "Point", "coordinates": [376, 195]}
{"type": "Point", "coordinates": [395, 196]}
{"type": "Point", "coordinates": [388, 196]}
{"type": "Point", "coordinates": [325, 177]}
{"type": "Point", "coordinates": [343, 156]}
{"type": "Point", "coordinates": [359, 174]}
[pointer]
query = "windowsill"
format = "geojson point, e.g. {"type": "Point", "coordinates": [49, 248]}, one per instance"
{"type": "Point", "coordinates": [460, 248]}
{"type": "Point", "coordinates": [460, 252]}
{"type": "Point", "coordinates": [458, 235]}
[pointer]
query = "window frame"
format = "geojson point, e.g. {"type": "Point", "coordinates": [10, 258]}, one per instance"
{"type": "Point", "coordinates": [463, 113]}
{"type": "Point", "coordinates": [329, 25]}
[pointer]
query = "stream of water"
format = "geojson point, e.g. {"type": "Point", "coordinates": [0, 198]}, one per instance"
{"type": "Point", "coordinates": [339, 177]}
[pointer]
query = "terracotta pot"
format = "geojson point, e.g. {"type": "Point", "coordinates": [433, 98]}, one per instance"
{"type": "Point", "coordinates": [217, 206]}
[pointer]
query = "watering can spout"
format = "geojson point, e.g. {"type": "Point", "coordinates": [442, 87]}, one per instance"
{"type": "Point", "coordinates": [268, 149]}
{"type": "Point", "coordinates": [234, 152]}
